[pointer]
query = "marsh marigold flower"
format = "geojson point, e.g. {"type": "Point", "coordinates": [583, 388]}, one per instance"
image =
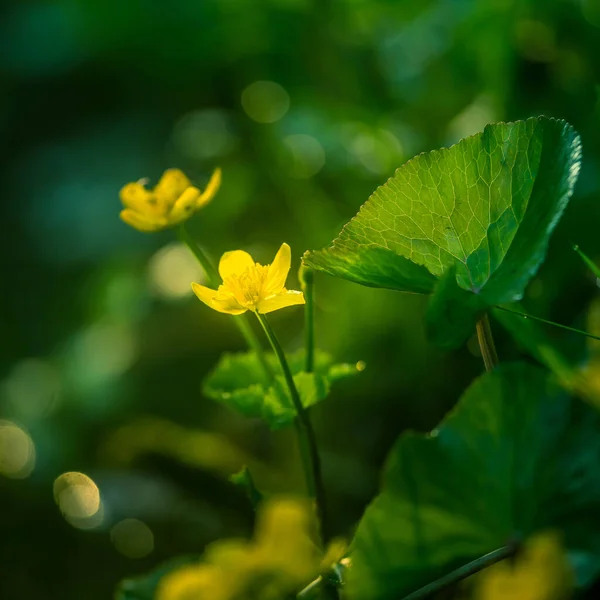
{"type": "Point", "coordinates": [248, 285]}
{"type": "Point", "coordinates": [540, 571]}
{"type": "Point", "coordinates": [173, 200]}
{"type": "Point", "coordinates": [280, 560]}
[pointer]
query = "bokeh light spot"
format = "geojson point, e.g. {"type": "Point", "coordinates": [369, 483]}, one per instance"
{"type": "Point", "coordinates": [32, 389]}
{"type": "Point", "coordinates": [307, 156]}
{"type": "Point", "coordinates": [132, 538]}
{"type": "Point", "coordinates": [104, 351]}
{"type": "Point", "coordinates": [204, 134]}
{"type": "Point", "coordinates": [172, 269]}
{"type": "Point", "coordinates": [535, 40]}
{"type": "Point", "coordinates": [591, 11]}
{"type": "Point", "coordinates": [265, 101]}
{"type": "Point", "coordinates": [78, 499]}
{"type": "Point", "coordinates": [17, 451]}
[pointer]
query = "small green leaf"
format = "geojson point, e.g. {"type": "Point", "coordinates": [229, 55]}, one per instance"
{"type": "Point", "coordinates": [516, 456]}
{"type": "Point", "coordinates": [485, 207]}
{"type": "Point", "coordinates": [244, 480]}
{"type": "Point", "coordinates": [238, 382]}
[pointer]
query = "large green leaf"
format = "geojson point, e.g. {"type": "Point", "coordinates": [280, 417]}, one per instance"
{"type": "Point", "coordinates": [485, 207]}
{"type": "Point", "coordinates": [238, 381]}
{"type": "Point", "coordinates": [516, 456]}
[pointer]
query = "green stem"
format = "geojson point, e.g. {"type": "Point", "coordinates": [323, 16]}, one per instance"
{"type": "Point", "coordinates": [559, 325]}
{"type": "Point", "coordinates": [213, 280]}
{"type": "Point", "coordinates": [486, 343]}
{"type": "Point", "coordinates": [308, 278]}
{"type": "Point", "coordinates": [306, 433]}
{"type": "Point", "coordinates": [462, 572]}
{"type": "Point", "coordinates": [588, 261]}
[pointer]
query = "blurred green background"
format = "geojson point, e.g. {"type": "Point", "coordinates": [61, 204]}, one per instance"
{"type": "Point", "coordinates": [307, 106]}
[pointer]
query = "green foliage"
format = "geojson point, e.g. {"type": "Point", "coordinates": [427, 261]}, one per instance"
{"type": "Point", "coordinates": [485, 207]}
{"type": "Point", "coordinates": [238, 381]}
{"type": "Point", "coordinates": [516, 456]}
{"type": "Point", "coordinates": [244, 480]}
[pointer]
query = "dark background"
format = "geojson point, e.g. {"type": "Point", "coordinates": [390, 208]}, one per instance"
{"type": "Point", "coordinates": [103, 349]}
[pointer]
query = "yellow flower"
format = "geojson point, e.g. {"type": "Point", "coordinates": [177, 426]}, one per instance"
{"type": "Point", "coordinates": [194, 582]}
{"type": "Point", "coordinates": [280, 560]}
{"type": "Point", "coordinates": [172, 201]}
{"type": "Point", "coordinates": [248, 285]}
{"type": "Point", "coordinates": [541, 571]}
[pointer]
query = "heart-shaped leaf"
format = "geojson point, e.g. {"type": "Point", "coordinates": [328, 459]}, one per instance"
{"type": "Point", "coordinates": [516, 456]}
{"type": "Point", "coordinates": [485, 207]}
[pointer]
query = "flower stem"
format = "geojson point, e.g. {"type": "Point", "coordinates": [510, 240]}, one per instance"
{"type": "Point", "coordinates": [486, 343]}
{"type": "Point", "coordinates": [559, 325]}
{"type": "Point", "coordinates": [213, 280]}
{"type": "Point", "coordinates": [308, 283]}
{"type": "Point", "coordinates": [463, 572]}
{"type": "Point", "coordinates": [306, 434]}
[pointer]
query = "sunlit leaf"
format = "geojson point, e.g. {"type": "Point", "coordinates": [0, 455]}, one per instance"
{"type": "Point", "coordinates": [238, 381]}
{"type": "Point", "coordinates": [485, 207]}
{"type": "Point", "coordinates": [516, 456]}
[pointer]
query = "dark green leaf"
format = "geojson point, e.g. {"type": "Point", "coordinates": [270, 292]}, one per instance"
{"type": "Point", "coordinates": [516, 456]}
{"type": "Point", "coordinates": [485, 207]}
{"type": "Point", "coordinates": [238, 382]}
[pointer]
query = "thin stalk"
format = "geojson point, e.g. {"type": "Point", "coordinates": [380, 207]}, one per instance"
{"type": "Point", "coordinates": [305, 431]}
{"type": "Point", "coordinates": [312, 590]}
{"type": "Point", "coordinates": [463, 572]}
{"type": "Point", "coordinates": [309, 318]}
{"type": "Point", "coordinates": [559, 325]}
{"type": "Point", "coordinates": [486, 343]}
{"type": "Point", "coordinates": [588, 261]}
{"type": "Point", "coordinates": [241, 321]}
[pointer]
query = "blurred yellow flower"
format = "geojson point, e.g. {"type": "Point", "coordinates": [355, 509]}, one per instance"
{"type": "Point", "coordinates": [248, 285]}
{"type": "Point", "coordinates": [193, 582]}
{"type": "Point", "coordinates": [172, 201]}
{"type": "Point", "coordinates": [541, 571]}
{"type": "Point", "coordinates": [279, 562]}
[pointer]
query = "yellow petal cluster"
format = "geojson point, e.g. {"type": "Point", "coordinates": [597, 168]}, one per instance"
{"type": "Point", "coordinates": [541, 571]}
{"type": "Point", "coordinates": [279, 561]}
{"type": "Point", "coordinates": [173, 200]}
{"type": "Point", "coordinates": [248, 285]}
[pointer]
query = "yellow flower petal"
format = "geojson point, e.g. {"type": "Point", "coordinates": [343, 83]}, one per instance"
{"type": "Point", "coordinates": [170, 187]}
{"type": "Point", "coordinates": [185, 205]}
{"type": "Point", "coordinates": [141, 222]}
{"type": "Point", "coordinates": [138, 198]}
{"type": "Point", "coordinates": [235, 263]}
{"type": "Point", "coordinates": [212, 187]}
{"type": "Point", "coordinates": [192, 582]}
{"type": "Point", "coordinates": [283, 539]}
{"type": "Point", "coordinates": [218, 300]}
{"type": "Point", "coordinates": [281, 300]}
{"type": "Point", "coordinates": [278, 270]}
